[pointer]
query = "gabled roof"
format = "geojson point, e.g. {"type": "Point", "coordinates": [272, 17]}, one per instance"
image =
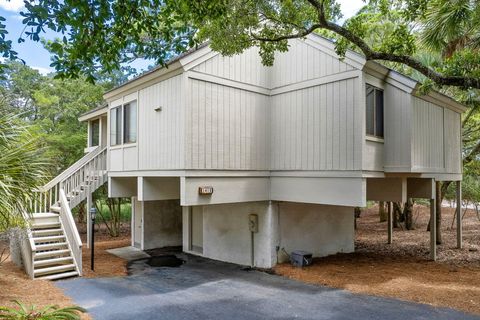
{"type": "Point", "coordinates": [357, 60]}
{"type": "Point", "coordinates": [159, 67]}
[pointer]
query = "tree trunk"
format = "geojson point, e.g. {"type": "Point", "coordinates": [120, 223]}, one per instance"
{"type": "Point", "coordinates": [401, 214]}
{"type": "Point", "coordinates": [357, 213]}
{"type": "Point", "coordinates": [81, 213]}
{"type": "Point", "coordinates": [397, 211]}
{"type": "Point", "coordinates": [408, 214]}
{"type": "Point", "coordinates": [382, 212]}
{"type": "Point", "coordinates": [438, 203]}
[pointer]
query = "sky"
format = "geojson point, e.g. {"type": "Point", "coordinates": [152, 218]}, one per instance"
{"type": "Point", "coordinates": [38, 58]}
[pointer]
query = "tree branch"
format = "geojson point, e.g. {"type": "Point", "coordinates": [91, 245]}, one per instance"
{"type": "Point", "coordinates": [370, 54]}
{"type": "Point", "coordinates": [299, 34]}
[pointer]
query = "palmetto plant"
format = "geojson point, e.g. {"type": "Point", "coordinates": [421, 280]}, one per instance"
{"type": "Point", "coordinates": [22, 169]}
{"type": "Point", "coordinates": [23, 312]}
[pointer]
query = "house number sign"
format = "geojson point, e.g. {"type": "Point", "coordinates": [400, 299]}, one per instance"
{"type": "Point", "coordinates": [206, 190]}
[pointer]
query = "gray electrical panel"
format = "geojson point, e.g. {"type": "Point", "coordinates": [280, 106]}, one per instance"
{"type": "Point", "coordinates": [253, 223]}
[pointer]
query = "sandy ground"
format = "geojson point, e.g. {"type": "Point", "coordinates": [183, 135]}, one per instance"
{"type": "Point", "coordinates": [15, 285]}
{"type": "Point", "coordinates": [402, 270]}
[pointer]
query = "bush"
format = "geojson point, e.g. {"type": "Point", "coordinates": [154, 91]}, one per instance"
{"type": "Point", "coordinates": [33, 313]}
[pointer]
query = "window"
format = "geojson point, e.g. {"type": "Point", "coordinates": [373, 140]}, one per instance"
{"type": "Point", "coordinates": [374, 110]}
{"type": "Point", "coordinates": [94, 132]}
{"type": "Point", "coordinates": [116, 126]}
{"type": "Point", "coordinates": [123, 124]}
{"type": "Point", "coordinates": [130, 123]}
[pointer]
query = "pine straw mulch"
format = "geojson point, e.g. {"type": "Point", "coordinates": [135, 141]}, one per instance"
{"type": "Point", "coordinates": [15, 285]}
{"type": "Point", "coordinates": [402, 270]}
{"type": "Point", "coordinates": [106, 264]}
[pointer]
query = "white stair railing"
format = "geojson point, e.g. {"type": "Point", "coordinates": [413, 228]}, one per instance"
{"type": "Point", "coordinates": [62, 194]}
{"type": "Point", "coordinates": [88, 171]}
{"type": "Point", "coordinates": [71, 232]}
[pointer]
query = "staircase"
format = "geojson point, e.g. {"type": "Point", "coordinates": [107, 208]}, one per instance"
{"type": "Point", "coordinates": [52, 248]}
{"type": "Point", "coordinates": [52, 258]}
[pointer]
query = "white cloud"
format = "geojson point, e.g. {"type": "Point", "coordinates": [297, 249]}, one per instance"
{"type": "Point", "coordinates": [42, 70]}
{"type": "Point", "coordinates": [12, 5]}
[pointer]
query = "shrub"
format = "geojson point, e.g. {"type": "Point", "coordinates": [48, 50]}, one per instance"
{"type": "Point", "coordinates": [47, 313]}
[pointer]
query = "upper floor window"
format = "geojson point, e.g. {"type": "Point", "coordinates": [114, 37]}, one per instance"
{"type": "Point", "coordinates": [123, 124]}
{"type": "Point", "coordinates": [374, 110]}
{"type": "Point", "coordinates": [130, 122]}
{"type": "Point", "coordinates": [94, 132]}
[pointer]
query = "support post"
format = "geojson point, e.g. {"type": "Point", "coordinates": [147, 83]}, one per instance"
{"type": "Point", "coordinates": [89, 218]}
{"type": "Point", "coordinates": [390, 223]}
{"type": "Point", "coordinates": [433, 230]}
{"type": "Point", "coordinates": [459, 214]}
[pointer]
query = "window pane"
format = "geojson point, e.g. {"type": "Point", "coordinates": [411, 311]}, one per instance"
{"type": "Point", "coordinates": [379, 113]}
{"type": "Point", "coordinates": [94, 132]}
{"type": "Point", "coordinates": [115, 126]}
{"type": "Point", "coordinates": [370, 110]}
{"type": "Point", "coordinates": [130, 122]}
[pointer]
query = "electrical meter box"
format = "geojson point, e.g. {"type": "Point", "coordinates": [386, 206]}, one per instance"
{"type": "Point", "coordinates": [253, 223]}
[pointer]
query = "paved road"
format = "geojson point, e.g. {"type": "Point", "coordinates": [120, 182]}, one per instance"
{"type": "Point", "coordinates": [203, 289]}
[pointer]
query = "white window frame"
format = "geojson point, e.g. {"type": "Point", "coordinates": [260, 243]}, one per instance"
{"type": "Point", "coordinates": [121, 123]}
{"type": "Point", "coordinates": [124, 133]}
{"type": "Point", "coordinates": [375, 136]}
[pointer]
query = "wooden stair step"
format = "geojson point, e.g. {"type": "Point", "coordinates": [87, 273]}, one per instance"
{"type": "Point", "coordinates": [39, 215]}
{"type": "Point", "coordinates": [42, 225]}
{"type": "Point", "coordinates": [51, 261]}
{"type": "Point", "coordinates": [50, 246]}
{"type": "Point", "coordinates": [55, 208]}
{"type": "Point", "coordinates": [51, 253]}
{"type": "Point", "coordinates": [45, 232]}
{"type": "Point", "coordinates": [59, 276]}
{"type": "Point", "coordinates": [55, 269]}
{"type": "Point", "coordinates": [49, 238]}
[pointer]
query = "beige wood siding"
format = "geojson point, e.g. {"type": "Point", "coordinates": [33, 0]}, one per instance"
{"type": "Point", "coordinates": [313, 128]}
{"type": "Point", "coordinates": [373, 156]}
{"type": "Point", "coordinates": [303, 62]}
{"type": "Point", "coordinates": [420, 136]}
{"type": "Point", "coordinates": [427, 142]}
{"type": "Point", "coordinates": [229, 128]}
{"type": "Point", "coordinates": [453, 161]}
{"type": "Point", "coordinates": [246, 68]}
{"type": "Point", "coordinates": [397, 132]}
{"type": "Point", "coordinates": [161, 133]}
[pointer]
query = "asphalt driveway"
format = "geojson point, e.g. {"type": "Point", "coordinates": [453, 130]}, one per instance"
{"type": "Point", "coordinates": [204, 289]}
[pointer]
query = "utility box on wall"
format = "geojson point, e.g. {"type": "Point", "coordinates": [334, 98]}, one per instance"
{"type": "Point", "coordinates": [253, 223]}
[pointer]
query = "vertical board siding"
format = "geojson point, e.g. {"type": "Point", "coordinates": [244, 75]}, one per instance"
{"type": "Point", "coordinates": [229, 128]}
{"type": "Point", "coordinates": [397, 118]}
{"type": "Point", "coordinates": [312, 128]}
{"type": "Point", "coordinates": [303, 62]}
{"type": "Point", "coordinates": [246, 67]}
{"type": "Point", "coordinates": [419, 135]}
{"type": "Point", "coordinates": [453, 160]}
{"type": "Point", "coordinates": [300, 63]}
{"type": "Point", "coordinates": [427, 144]}
{"type": "Point", "coordinates": [160, 139]}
